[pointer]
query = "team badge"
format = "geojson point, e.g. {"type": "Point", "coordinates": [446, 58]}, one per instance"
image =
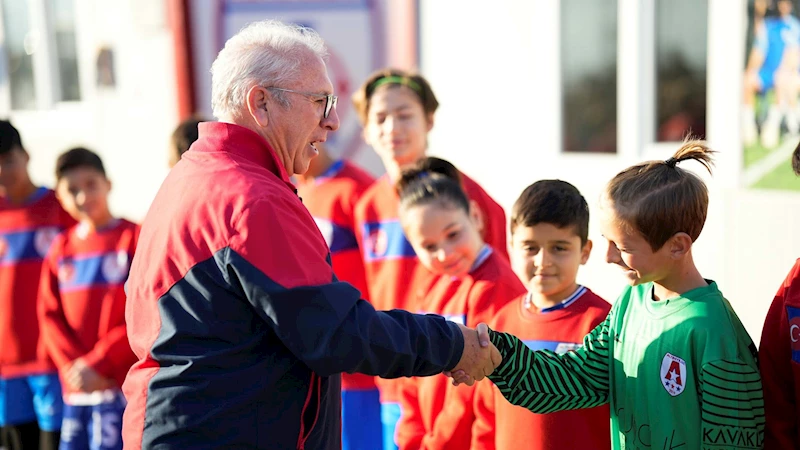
{"type": "Point", "coordinates": [115, 266]}
{"type": "Point", "coordinates": [673, 374]}
{"type": "Point", "coordinates": [326, 228]}
{"type": "Point", "coordinates": [66, 272]}
{"type": "Point", "coordinates": [43, 238]}
{"type": "Point", "coordinates": [377, 243]}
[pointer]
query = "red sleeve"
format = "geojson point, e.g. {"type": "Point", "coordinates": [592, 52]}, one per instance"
{"type": "Point", "coordinates": [452, 427]}
{"type": "Point", "coordinates": [775, 361]}
{"type": "Point", "coordinates": [492, 214]}
{"type": "Point", "coordinates": [483, 428]}
{"type": "Point", "coordinates": [410, 428]}
{"type": "Point", "coordinates": [489, 297]}
{"type": "Point", "coordinates": [60, 341]}
{"type": "Point", "coordinates": [358, 230]}
{"type": "Point", "coordinates": [112, 353]}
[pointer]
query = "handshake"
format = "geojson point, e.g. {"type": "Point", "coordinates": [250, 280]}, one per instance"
{"type": "Point", "coordinates": [479, 359]}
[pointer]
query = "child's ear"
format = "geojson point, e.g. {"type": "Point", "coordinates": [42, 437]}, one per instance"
{"type": "Point", "coordinates": [476, 215]}
{"type": "Point", "coordinates": [586, 251]}
{"type": "Point", "coordinates": [679, 245]}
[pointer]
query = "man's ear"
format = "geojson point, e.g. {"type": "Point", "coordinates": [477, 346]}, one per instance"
{"type": "Point", "coordinates": [256, 99]}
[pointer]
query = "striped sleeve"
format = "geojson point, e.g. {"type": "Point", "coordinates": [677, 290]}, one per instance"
{"type": "Point", "coordinates": [545, 382]}
{"type": "Point", "coordinates": [732, 406]}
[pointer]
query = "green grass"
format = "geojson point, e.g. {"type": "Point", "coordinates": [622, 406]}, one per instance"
{"type": "Point", "coordinates": [781, 177]}
{"type": "Point", "coordinates": [755, 153]}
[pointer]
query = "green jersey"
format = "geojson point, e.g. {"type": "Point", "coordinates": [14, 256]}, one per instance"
{"type": "Point", "coordinates": [679, 373]}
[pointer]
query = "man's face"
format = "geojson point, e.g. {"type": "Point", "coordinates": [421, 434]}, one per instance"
{"type": "Point", "coordinates": [294, 131]}
{"type": "Point", "coordinates": [13, 168]}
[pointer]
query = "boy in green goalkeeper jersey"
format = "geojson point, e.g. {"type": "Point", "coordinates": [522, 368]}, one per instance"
{"type": "Point", "coordinates": [672, 357]}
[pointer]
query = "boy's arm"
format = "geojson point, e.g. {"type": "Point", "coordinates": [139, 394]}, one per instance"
{"type": "Point", "coordinates": [410, 429]}
{"type": "Point", "coordinates": [775, 362]}
{"type": "Point", "coordinates": [113, 351]}
{"type": "Point", "coordinates": [732, 406]}
{"type": "Point", "coordinates": [545, 382]}
{"type": "Point", "coordinates": [59, 339]}
{"type": "Point", "coordinates": [483, 428]}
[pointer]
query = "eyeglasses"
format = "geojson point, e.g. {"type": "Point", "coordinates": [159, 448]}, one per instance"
{"type": "Point", "coordinates": [330, 100]}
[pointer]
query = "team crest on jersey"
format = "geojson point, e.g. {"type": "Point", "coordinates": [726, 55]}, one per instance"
{"type": "Point", "coordinates": [66, 272]}
{"type": "Point", "coordinates": [326, 228]}
{"type": "Point", "coordinates": [115, 266]}
{"type": "Point", "coordinates": [43, 238]}
{"type": "Point", "coordinates": [673, 374]}
{"type": "Point", "coordinates": [378, 242]}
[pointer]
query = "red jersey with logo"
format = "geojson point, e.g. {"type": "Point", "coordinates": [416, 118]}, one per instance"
{"type": "Point", "coordinates": [393, 272]}
{"type": "Point", "coordinates": [779, 361]}
{"type": "Point", "coordinates": [82, 299]}
{"type": "Point", "coordinates": [502, 425]}
{"type": "Point", "coordinates": [26, 232]}
{"type": "Point", "coordinates": [331, 200]}
{"type": "Point", "coordinates": [436, 414]}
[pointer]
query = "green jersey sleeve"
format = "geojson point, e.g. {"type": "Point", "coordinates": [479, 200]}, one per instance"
{"type": "Point", "coordinates": [732, 406]}
{"type": "Point", "coordinates": [544, 382]}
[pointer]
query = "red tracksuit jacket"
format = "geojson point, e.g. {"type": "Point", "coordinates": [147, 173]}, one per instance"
{"type": "Point", "coordinates": [82, 300]}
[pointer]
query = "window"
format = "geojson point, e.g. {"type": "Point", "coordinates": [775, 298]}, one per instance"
{"type": "Point", "coordinates": [20, 45]}
{"type": "Point", "coordinates": [681, 35]}
{"type": "Point", "coordinates": [589, 75]}
{"type": "Point", "coordinates": [41, 52]}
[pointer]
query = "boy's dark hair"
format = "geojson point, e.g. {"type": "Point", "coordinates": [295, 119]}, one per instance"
{"type": "Point", "coordinates": [184, 136]}
{"type": "Point", "coordinates": [432, 180]}
{"type": "Point", "coordinates": [9, 138]}
{"type": "Point", "coordinates": [78, 157]}
{"type": "Point", "coordinates": [555, 202]}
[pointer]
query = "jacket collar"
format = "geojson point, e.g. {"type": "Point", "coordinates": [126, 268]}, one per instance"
{"type": "Point", "coordinates": [246, 143]}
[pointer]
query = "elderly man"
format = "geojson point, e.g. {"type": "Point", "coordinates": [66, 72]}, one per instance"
{"type": "Point", "coordinates": [238, 321]}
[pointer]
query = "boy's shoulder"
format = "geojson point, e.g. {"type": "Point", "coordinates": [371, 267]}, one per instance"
{"type": "Point", "coordinates": [590, 300]}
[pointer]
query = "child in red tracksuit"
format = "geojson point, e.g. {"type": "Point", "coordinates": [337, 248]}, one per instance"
{"type": "Point", "coordinates": [82, 305]}
{"type": "Point", "coordinates": [779, 359]}
{"type": "Point", "coordinates": [472, 282]}
{"type": "Point", "coordinates": [397, 111]}
{"type": "Point", "coordinates": [549, 243]}
{"type": "Point", "coordinates": [330, 190]}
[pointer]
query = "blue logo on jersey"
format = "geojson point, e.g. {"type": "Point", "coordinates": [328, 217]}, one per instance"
{"type": "Point", "coordinates": [337, 237]}
{"type": "Point", "coordinates": [26, 244]}
{"type": "Point", "coordinates": [793, 314]}
{"type": "Point", "coordinates": [104, 269]}
{"type": "Point", "coordinates": [386, 240]}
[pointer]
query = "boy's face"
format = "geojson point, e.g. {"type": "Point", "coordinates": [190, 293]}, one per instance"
{"type": "Point", "coordinates": [546, 258]}
{"type": "Point", "coordinates": [83, 192]}
{"type": "Point", "coordinates": [631, 252]}
{"type": "Point", "coordinates": [13, 168]}
{"type": "Point", "coordinates": [446, 239]}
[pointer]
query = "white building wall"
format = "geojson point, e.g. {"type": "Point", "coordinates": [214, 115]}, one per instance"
{"type": "Point", "coordinates": [495, 70]}
{"type": "Point", "coordinates": [129, 125]}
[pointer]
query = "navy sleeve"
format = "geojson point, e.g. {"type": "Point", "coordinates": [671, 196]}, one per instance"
{"type": "Point", "coordinates": [330, 329]}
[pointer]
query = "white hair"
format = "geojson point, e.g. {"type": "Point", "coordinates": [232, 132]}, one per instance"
{"type": "Point", "coordinates": [266, 53]}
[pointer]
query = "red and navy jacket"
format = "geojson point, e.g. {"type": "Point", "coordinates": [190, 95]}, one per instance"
{"type": "Point", "coordinates": [331, 198]}
{"type": "Point", "coordinates": [26, 232]}
{"type": "Point", "coordinates": [779, 361]}
{"type": "Point", "coordinates": [82, 300]}
{"type": "Point", "coordinates": [239, 324]}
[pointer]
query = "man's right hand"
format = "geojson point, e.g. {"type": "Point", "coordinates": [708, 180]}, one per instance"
{"type": "Point", "coordinates": [479, 358]}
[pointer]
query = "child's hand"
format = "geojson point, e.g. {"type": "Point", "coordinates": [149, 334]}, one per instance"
{"type": "Point", "coordinates": [460, 376]}
{"type": "Point", "coordinates": [82, 377]}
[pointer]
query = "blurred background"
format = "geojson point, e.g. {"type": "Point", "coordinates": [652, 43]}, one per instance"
{"type": "Point", "coordinates": [569, 89]}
